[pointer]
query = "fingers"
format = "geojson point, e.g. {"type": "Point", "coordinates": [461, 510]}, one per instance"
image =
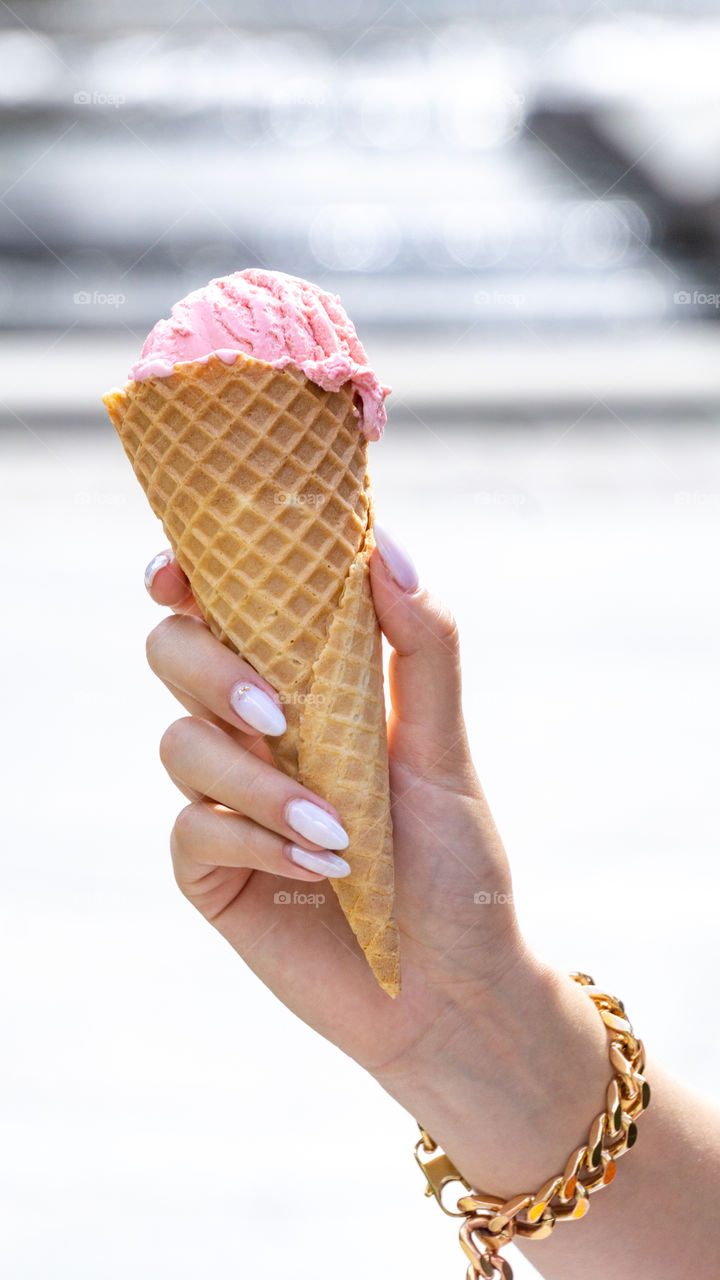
{"type": "Point", "coordinates": [207, 835]}
{"type": "Point", "coordinates": [185, 654]}
{"type": "Point", "coordinates": [251, 740]}
{"type": "Point", "coordinates": [203, 758]}
{"type": "Point", "coordinates": [425, 683]}
{"type": "Point", "coordinates": [167, 585]}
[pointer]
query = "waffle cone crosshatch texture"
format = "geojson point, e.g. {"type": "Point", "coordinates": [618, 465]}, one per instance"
{"type": "Point", "coordinates": [260, 480]}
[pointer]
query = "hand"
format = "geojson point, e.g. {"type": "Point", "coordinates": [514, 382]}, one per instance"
{"type": "Point", "coordinates": [502, 1058]}
{"type": "Point", "coordinates": [447, 849]}
{"type": "Point", "coordinates": [465, 968]}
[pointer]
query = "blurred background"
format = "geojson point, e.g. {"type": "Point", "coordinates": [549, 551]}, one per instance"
{"type": "Point", "coordinates": [519, 205]}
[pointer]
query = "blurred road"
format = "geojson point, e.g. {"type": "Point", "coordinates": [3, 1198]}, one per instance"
{"type": "Point", "coordinates": [168, 1118]}
{"type": "Point", "coordinates": [669, 372]}
{"type": "Point", "coordinates": [438, 163]}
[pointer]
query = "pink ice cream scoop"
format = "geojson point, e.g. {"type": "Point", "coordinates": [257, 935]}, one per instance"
{"type": "Point", "coordinates": [276, 318]}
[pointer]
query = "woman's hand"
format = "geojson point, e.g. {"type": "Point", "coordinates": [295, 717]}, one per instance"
{"type": "Point", "coordinates": [503, 1059]}
{"type": "Point", "coordinates": [252, 847]}
{"type": "Point", "coordinates": [230, 861]}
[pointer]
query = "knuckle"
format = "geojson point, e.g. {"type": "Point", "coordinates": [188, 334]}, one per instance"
{"type": "Point", "coordinates": [185, 829]}
{"type": "Point", "coordinates": [175, 740]}
{"type": "Point", "coordinates": [181, 862]}
{"type": "Point", "coordinates": [156, 644]}
{"type": "Point", "coordinates": [445, 627]}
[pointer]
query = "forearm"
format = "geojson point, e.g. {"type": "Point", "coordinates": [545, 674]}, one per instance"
{"type": "Point", "coordinates": [509, 1090]}
{"type": "Point", "coordinates": [659, 1217]}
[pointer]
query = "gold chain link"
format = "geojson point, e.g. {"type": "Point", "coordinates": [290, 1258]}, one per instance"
{"type": "Point", "coordinates": [489, 1222]}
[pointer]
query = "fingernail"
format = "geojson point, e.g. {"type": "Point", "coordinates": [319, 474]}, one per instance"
{"type": "Point", "coordinates": [158, 562]}
{"type": "Point", "coordinates": [325, 864]}
{"type": "Point", "coordinates": [396, 560]}
{"type": "Point", "coordinates": [312, 822]}
{"type": "Point", "coordinates": [257, 709]}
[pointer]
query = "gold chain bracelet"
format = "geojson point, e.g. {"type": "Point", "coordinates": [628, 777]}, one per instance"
{"type": "Point", "coordinates": [490, 1222]}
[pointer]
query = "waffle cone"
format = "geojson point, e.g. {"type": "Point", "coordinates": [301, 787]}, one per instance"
{"type": "Point", "coordinates": [260, 480]}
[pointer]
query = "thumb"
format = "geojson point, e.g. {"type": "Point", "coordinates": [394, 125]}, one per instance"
{"type": "Point", "coordinates": [426, 729]}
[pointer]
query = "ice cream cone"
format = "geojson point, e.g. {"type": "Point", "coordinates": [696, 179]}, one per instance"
{"type": "Point", "coordinates": [259, 477]}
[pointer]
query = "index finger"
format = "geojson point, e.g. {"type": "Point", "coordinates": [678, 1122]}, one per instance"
{"type": "Point", "coordinates": [167, 585]}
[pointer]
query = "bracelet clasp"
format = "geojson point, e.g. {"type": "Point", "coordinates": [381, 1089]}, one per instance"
{"type": "Point", "coordinates": [439, 1171]}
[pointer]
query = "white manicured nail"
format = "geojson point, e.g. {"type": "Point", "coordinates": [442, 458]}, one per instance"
{"type": "Point", "coordinates": [160, 561]}
{"type": "Point", "coordinates": [396, 560]}
{"type": "Point", "coordinates": [312, 822]}
{"type": "Point", "coordinates": [257, 709]}
{"type": "Point", "coordinates": [325, 864]}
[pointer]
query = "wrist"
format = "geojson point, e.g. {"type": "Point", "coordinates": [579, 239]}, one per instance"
{"type": "Point", "coordinates": [508, 1080]}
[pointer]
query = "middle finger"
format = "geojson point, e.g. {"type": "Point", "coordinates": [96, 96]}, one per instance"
{"type": "Point", "coordinates": [201, 756]}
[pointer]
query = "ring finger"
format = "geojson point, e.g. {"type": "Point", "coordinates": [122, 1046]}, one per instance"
{"type": "Point", "coordinates": [202, 757]}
